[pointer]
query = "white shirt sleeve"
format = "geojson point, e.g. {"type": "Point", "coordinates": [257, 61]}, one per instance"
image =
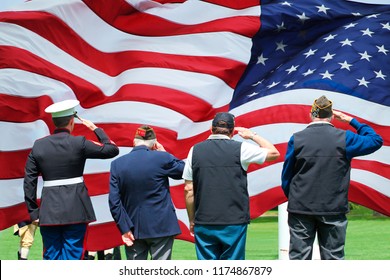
{"type": "Point", "coordinates": [252, 154]}
{"type": "Point", "coordinates": [187, 172]}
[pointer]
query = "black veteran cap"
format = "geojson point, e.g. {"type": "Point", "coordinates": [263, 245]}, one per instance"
{"type": "Point", "coordinates": [322, 108]}
{"type": "Point", "coordinates": [145, 133]}
{"type": "Point", "coordinates": [223, 120]}
{"type": "Point", "coordinates": [63, 108]}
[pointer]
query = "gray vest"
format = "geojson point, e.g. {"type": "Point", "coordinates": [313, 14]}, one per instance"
{"type": "Point", "coordinates": [220, 183]}
{"type": "Point", "coordinates": [322, 172]}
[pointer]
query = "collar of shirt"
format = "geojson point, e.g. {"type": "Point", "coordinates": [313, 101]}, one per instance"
{"type": "Point", "coordinates": [218, 136]}
{"type": "Point", "coordinates": [59, 130]}
{"type": "Point", "coordinates": [320, 122]}
{"type": "Point", "coordinates": [141, 147]}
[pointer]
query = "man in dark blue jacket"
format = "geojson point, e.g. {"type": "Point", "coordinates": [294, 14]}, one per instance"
{"type": "Point", "coordinates": [315, 179]}
{"type": "Point", "coordinates": [140, 200]}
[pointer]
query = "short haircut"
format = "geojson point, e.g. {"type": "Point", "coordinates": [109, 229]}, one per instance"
{"type": "Point", "coordinates": [222, 130]}
{"type": "Point", "coordinates": [149, 143]}
{"type": "Point", "coordinates": [62, 121]}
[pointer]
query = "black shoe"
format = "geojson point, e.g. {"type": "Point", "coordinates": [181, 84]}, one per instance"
{"type": "Point", "coordinates": [108, 256]}
{"type": "Point", "coordinates": [20, 258]}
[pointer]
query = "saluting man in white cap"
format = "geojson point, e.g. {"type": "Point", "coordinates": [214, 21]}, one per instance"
{"type": "Point", "coordinates": [66, 208]}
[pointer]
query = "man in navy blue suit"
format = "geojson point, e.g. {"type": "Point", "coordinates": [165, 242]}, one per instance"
{"type": "Point", "coordinates": [140, 200]}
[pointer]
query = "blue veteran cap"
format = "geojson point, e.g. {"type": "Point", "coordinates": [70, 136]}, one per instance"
{"type": "Point", "coordinates": [63, 108]}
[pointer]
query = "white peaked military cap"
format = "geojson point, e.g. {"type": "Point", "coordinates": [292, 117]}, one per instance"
{"type": "Point", "coordinates": [63, 108]}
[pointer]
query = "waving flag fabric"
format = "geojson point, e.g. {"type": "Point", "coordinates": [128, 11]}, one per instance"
{"type": "Point", "coordinates": [309, 48]}
{"type": "Point", "coordinates": [173, 65]}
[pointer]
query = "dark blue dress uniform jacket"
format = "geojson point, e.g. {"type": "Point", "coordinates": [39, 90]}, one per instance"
{"type": "Point", "coordinates": [62, 156]}
{"type": "Point", "coordinates": [139, 198]}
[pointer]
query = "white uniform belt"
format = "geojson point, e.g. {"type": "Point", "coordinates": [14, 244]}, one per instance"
{"type": "Point", "coordinates": [62, 182]}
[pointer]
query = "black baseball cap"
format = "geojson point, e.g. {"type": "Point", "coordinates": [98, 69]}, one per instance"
{"type": "Point", "coordinates": [223, 120]}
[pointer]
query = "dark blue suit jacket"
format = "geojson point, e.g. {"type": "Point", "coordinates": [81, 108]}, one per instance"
{"type": "Point", "coordinates": [139, 196]}
{"type": "Point", "coordinates": [63, 156]}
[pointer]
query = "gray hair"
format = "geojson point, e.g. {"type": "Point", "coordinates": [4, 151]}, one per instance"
{"type": "Point", "coordinates": [148, 143]}
{"type": "Point", "coordinates": [329, 119]}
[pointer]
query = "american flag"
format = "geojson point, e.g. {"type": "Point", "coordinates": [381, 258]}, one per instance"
{"type": "Point", "coordinates": [309, 48]}
{"type": "Point", "coordinates": [173, 65]}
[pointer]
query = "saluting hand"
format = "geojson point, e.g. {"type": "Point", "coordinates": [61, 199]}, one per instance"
{"type": "Point", "coordinates": [158, 147]}
{"type": "Point", "coordinates": [88, 124]}
{"type": "Point", "coordinates": [341, 117]}
{"type": "Point", "coordinates": [245, 133]}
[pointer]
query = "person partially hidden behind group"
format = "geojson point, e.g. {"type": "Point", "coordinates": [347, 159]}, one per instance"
{"type": "Point", "coordinates": [25, 230]}
{"type": "Point", "coordinates": [108, 254]}
{"type": "Point", "coordinates": [66, 208]}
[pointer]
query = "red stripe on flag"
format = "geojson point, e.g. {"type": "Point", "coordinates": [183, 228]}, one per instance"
{"type": "Point", "coordinates": [12, 215]}
{"type": "Point", "coordinates": [265, 201]}
{"type": "Point", "coordinates": [368, 197]}
{"type": "Point", "coordinates": [12, 164]}
{"type": "Point", "coordinates": [133, 22]}
{"type": "Point", "coordinates": [103, 236]}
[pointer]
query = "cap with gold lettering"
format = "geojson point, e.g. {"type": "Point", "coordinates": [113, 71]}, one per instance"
{"type": "Point", "coordinates": [145, 132]}
{"type": "Point", "coordinates": [322, 108]}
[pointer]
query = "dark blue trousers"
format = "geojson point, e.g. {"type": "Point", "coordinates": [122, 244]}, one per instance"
{"type": "Point", "coordinates": [63, 242]}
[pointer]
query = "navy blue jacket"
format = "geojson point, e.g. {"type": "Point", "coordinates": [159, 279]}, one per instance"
{"type": "Point", "coordinates": [63, 156]}
{"type": "Point", "coordinates": [139, 197]}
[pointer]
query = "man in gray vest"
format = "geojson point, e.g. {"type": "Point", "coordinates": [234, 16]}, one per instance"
{"type": "Point", "coordinates": [315, 179]}
{"type": "Point", "coordinates": [216, 192]}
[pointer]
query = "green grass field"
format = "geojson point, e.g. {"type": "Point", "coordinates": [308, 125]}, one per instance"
{"type": "Point", "coordinates": [368, 238]}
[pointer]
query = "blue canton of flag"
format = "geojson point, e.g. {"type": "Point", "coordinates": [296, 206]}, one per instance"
{"type": "Point", "coordinates": [339, 46]}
